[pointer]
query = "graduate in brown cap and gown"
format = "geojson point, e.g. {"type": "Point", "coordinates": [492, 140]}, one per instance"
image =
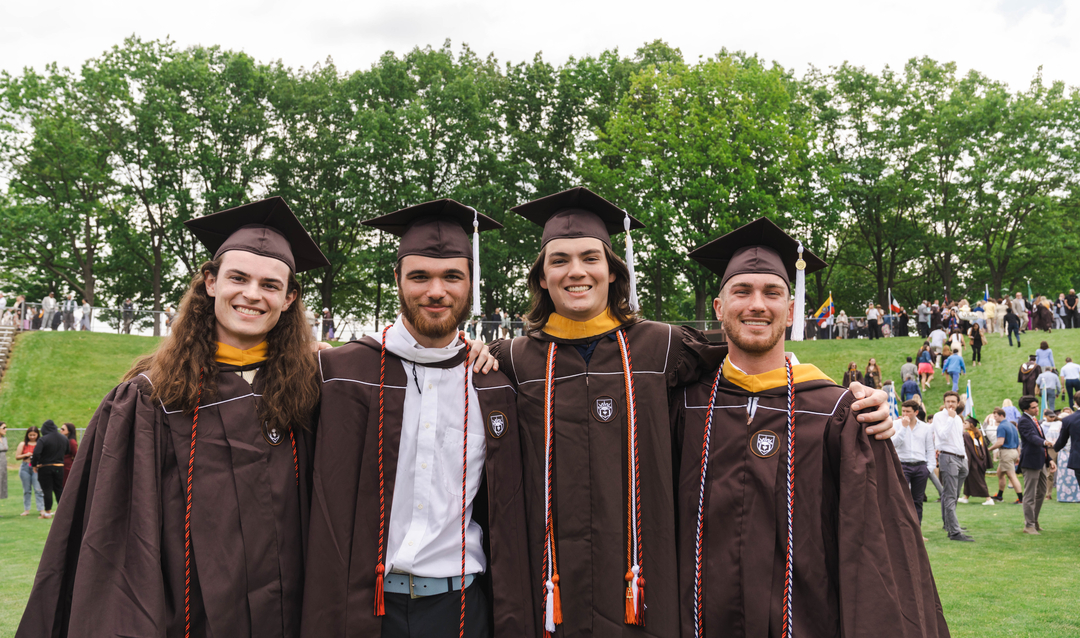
{"type": "Point", "coordinates": [186, 508]}
{"type": "Point", "coordinates": [418, 519]}
{"type": "Point", "coordinates": [1028, 376]}
{"type": "Point", "coordinates": [593, 382]}
{"type": "Point", "coordinates": [792, 521]}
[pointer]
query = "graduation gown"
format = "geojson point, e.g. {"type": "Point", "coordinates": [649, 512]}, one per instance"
{"type": "Point", "coordinates": [113, 564]}
{"type": "Point", "coordinates": [978, 460]}
{"type": "Point", "coordinates": [860, 567]}
{"type": "Point", "coordinates": [343, 553]}
{"type": "Point", "coordinates": [589, 485]}
{"type": "Point", "coordinates": [1028, 375]}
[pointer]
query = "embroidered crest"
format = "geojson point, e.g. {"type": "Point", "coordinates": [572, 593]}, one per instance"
{"type": "Point", "coordinates": [272, 435]}
{"type": "Point", "coordinates": [764, 443]}
{"type": "Point", "coordinates": [605, 409]}
{"type": "Point", "coordinates": [497, 424]}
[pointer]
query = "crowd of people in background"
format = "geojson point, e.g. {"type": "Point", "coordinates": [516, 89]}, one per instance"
{"type": "Point", "coordinates": [50, 314]}
{"type": "Point", "coordinates": [45, 456]}
{"type": "Point", "coordinates": [955, 451]}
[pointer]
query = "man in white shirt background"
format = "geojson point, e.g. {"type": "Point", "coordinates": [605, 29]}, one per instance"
{"type": "Point", "coordinates": [948, 427]}
{"type": "Point", "coordinates": [873, 322]}
{"type": "Point", "coordinates": [1070, 372]}
{"type": "Point", "coordinates": [914, 443]}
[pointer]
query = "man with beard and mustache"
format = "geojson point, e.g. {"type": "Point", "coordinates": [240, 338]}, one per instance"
{"type": "Point", "coordinates": [594, 381]}
{"type": "Point", "coordinates": [787, 498]}
{"type": "Point", "coordinates": [416, 457]}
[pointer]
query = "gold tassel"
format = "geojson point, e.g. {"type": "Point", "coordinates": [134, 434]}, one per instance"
{"type": "Point", "coordinates": [630, 617]}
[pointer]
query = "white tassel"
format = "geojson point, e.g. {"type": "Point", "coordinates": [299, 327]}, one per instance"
{"type": "Point", "coordinates": [475, 264]}
{"type": "Point", "coordinates": [636, 569]}
{"type": "Point", "coordinates": [798, 323]}
{"type": "Point", "coordinates": [630, 262]}
{"type": "Point", "coordinates": [549, 604]}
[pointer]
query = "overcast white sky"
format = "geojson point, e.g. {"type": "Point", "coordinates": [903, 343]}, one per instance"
{"type": "Point", "coordinates": [1005, 39]}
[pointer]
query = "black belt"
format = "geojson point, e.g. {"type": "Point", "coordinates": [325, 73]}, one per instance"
{"type": "Point", "coordinates": [913, 463]}
{"type": "Point", "coordinates": [959, 456]}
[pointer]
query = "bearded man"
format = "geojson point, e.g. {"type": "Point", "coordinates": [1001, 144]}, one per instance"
{"type": "Point", "coordinates": [186, 508]}
{"type": "Point", "coordinates": [792, 521]}
{"type": "Point", "coordinates": [417, 513]}
{"type": "Point", "coordinates": [594, 381]}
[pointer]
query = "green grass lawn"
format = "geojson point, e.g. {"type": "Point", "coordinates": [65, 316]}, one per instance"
{"type": "Point", "coordinates": [1004, 584]}
{"type": "Point", "coordinates": [991, 382]}
{"type": "Point", "coordinates": [63, 376]}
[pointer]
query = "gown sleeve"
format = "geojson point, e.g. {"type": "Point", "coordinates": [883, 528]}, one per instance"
{"type": "Point", "coordinates": [101, 569]}
{"type": "Point", "coordinates": [695, 357]}
{"type": "Point", "coordinates": [886, 584]}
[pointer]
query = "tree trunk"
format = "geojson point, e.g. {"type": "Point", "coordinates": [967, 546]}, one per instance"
{"type": "Point", "coordinates": [658, 300]}
{"type": "Point", "coordinates": [157, 287]}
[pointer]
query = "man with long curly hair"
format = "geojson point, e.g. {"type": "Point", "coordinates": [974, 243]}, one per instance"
{"type": "Point", "coordinates": [187, 506]}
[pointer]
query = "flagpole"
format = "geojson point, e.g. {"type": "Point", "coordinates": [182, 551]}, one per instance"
{"type": "Point", "coordinates": [833, 314]}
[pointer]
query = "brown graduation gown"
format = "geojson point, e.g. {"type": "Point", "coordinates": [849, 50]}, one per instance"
{"type": "Point", "coordinates": [860, 565]}
{"type": "Point", "coordinates": [1028, 375]}
{"type": "Point", "coordinates": [978, 458]}
{"type": "Point", "coordinates": [343, 552]}
{"type": "Point", "coordinates": [113, 564]}
{"type": "Point", "coordinates": [590, 478]}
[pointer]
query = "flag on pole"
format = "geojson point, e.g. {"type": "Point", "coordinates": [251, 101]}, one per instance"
{"type": "Point", "coordinates": [969, 403]}
{"type": "Point", "coordinates": [825, 312]}
{"type": "Point", "coordinates": [894, 408]}
{"type": "Point", "coordinates": [895, 308]}
{"type": "Point", "coordinates": [1042, 410]}
{"type": "Point", "coordinates": [986, 293]}
{"type": "Point", "coordinates": [1031, 297]}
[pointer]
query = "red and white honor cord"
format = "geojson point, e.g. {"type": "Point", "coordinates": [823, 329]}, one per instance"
{"type": "Point", "coordinates": [698, 571]}
{"type": "Point", "coordinates": [699, 619]}
{"type": "Point", "coordinates": [789, 561]}
{"type": "Point", "coordinates": [635, 581]}
{"type": "Point", "coordinates": [552, 604]}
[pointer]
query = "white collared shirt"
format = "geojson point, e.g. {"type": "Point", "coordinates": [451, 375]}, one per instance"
{"type": "Point", "coordinates": [425, 516]}
{"type": "Point", "coordinates": [915, 444]}
{"type": "Point", "coordinates": [949, 433]}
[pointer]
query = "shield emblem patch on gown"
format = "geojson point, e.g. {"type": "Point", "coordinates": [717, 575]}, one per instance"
{"type": "Point", "coordinates": [605, 409]}
{"type": "Point", "coordinates": [497, 424]}
{"type": "Point", "coordinates": [271, 434]}
{"type": "Point", "coordinates": [764, 443]}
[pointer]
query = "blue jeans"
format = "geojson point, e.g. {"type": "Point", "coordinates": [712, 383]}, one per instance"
{"type": "Point", "coordinates": [29, 480]}
{"type": "Point", "coordinates": [955, 380]}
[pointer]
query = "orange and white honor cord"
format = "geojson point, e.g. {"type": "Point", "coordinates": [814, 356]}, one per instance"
{"type": "Point", "coordinates": [635, 581]}
{"type": "Point", "coordinates": [552, 604]}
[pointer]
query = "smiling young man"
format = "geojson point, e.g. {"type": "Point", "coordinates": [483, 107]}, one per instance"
{"type": "Point", "coordinates": [417, 513]}
{"type": "Point", "coordinates": [594, 382]}
{"type": "Point", "coordinates": [185, 510]}
{"type": "Point", "coordinates": [792, 521]}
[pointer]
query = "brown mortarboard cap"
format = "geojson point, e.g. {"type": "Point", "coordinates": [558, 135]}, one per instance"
{"type": "Point", "coordinates": [266, 227]}
{"type": "Point", "coordinates": [758, 247]}
{"type": "Point", "coordinates": [439, 229]}
{"type": "Point", "coordinates": [577, 212]}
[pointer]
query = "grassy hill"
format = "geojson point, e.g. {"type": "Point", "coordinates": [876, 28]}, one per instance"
{"type": "Point", "coordinates": [63, 376]}
{"type": "Point", "coordinates": [991, 382]}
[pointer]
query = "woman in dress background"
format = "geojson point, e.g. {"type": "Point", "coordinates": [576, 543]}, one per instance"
{"type": "Point", "coordinates": [1068, 489]}
{"type": "Point", "coordinates": [872, 376]}
{"type": "Point", "coordinates": [3, 458]}
{"type": "Point", "coordinates": [978, 340]}
{"type": "Point", "coordinates": [925, 360]}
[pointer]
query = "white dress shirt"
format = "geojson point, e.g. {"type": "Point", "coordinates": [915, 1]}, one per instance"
{"type": "Point", "coordinates": [1071, 371]}
{"type": "Point", "coordinates": [949, 433]}
{"type": "Point", "coordinates": [425, 516]}
{"type": "Point", "coordinates": [916, 444]}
